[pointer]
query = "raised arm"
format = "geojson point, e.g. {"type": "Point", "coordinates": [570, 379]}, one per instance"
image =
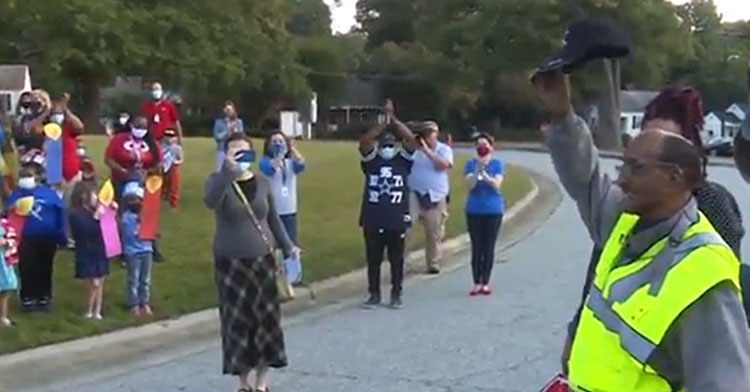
{"type": "Point", "coordinates": [402, 131]}
{"type": "Point", "coordinates": [367, 140]}
{"type": "Point", "coordinates": [576, 159]}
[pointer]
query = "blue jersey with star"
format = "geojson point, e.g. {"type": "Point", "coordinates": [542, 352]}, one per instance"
{"type": "Point", "coordinates": [385, 200]}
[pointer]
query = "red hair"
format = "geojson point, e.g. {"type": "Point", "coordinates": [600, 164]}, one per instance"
{"type": "Point", "coordinates": [681, 105]}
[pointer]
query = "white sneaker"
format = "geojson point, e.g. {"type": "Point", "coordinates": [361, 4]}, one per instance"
{"type": "Point", "coordinates": [98, 316]}
{"type": "Point", "coordinates": [88, 316]}
{"type": "Point", "coordinates": [5, 322]}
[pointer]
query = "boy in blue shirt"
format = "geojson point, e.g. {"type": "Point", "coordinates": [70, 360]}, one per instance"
{"type": "Point", "coordinates": [43, 231]}
{"type": "Point", "coordinates": [139, 254]}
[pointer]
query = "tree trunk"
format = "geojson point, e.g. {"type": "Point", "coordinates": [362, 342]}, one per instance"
{"type": "Point", "coordinates": [91, 97]}
{"type": "Point", "coordinates": [608, 134]}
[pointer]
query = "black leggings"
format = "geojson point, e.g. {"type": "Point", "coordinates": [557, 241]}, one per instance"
{"type": "Point", "coordinates": [483, 231]}
{"type": "Point", "coordinates": [375, 243]}
{"type": "Point", "coordinates": [35, 257]}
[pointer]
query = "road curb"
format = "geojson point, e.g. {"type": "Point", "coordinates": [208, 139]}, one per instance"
{"type": "Point", "coordinates": [108, 350]}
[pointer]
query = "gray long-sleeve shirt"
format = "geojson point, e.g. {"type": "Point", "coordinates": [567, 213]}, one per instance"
{"type": "Point", "coordinates": [236, 236]}
{"type": "Point", "coordinates": [708, 347]}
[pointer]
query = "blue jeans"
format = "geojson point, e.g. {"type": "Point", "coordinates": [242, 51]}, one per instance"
{"type": "Point", "coordinates": [139, 278]}
{"type": "Point", "coordinates": [290, 224]}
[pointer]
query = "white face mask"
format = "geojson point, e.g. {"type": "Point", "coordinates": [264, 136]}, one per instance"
{"type": "Point", "coordinates": [139, 133]}
{"type": "Point", "coordinates": [57, 118]}
{"type": "Point", "coordinates": [80, 152]}
{"type": "Point", "coordinates": [156, 94]}
{"type": "Point", "coordinates": [387, 153]}
{"type": "Point", "coordinates": [26, 182]}
{"type": "Point", "coordinates": [124, 120]}
{"type": "Point", "coordinates": [244, 167]}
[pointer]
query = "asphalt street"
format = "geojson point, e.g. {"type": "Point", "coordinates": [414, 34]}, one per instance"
{"type": "Point", "coordinates": [441, 341]}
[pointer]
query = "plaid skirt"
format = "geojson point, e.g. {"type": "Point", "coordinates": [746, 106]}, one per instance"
{"type": "Point", "coordinates": [250, 315]}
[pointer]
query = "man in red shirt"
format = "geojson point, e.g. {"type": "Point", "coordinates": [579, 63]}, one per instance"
{"type": "Point", "coordinates": [161, 114]}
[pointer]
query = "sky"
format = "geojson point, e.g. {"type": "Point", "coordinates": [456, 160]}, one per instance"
{"type": "Point", "coordinates": [342, 17]}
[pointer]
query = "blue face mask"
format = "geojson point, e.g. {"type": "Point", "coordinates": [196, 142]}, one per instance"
{"type": "Point", "coordinates": [244, 159]}
{"type": "Point", "coordinates": [278, 149]}
{"type": "Point", "coordinates": [387, 152]}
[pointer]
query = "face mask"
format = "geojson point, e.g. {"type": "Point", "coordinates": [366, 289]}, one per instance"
{"type": "Point", "coordinates": [156, 94]}
{"type": "Point", "coordinates": [124, 120]}
{"type": "Point", "coordinates": [26, 182]}
{"type": "Point", "coordinates": [387, 153]}
{"type": "Point", "coordinates": [80, 152]}
{"type": "Point", "coordinates": [244, 160]}
{"type": "Point", "coordinates": [278, 149]}
{"type": "Point", "coordinates": [483, 150]}
{"type": "Point", "coordinates": [138, 133]}
{"type": "Point", "coordinates": [57, 118]}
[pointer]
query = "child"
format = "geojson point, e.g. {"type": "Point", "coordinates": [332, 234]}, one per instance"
{"type": "Point", "coordinates": [88, 172]}
{"type": "Point", "coordinates": [173, 156]}
{"type": "Point", "coordinates": [92, 265]}
{"type": "Point", "coordinates": [43, 231]}
{"type": "Point", "coordinates": [8, 281]}
{"type": "Point", "coordinates": [139, 254]}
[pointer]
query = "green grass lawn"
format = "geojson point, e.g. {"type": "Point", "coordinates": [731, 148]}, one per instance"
{"type": "Point", "coordinates": [329, 198]}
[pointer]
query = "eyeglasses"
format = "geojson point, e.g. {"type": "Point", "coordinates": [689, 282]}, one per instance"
{"type": "Point", "coordinates": [639, 166]}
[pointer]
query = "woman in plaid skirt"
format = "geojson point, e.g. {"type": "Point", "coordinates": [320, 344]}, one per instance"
{"type": "Point", "coordinates": [247, 229]}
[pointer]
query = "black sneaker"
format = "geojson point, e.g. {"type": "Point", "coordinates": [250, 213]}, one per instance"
{"type": "Point", "coordinates": [27, 305]}
{"type": "Point", "coordinates": [396, 302]}
{"type": "Point", "coordinates": [372, 302]}
{"type": "Point", "coordinates": [44, 304]}
{"type": "Point", "coordinates": [433, 270]}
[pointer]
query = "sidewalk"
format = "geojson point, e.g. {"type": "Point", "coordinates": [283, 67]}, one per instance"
{"type": "Point", "coordinates": [111, 351]}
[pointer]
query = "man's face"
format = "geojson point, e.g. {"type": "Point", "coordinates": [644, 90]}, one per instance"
{"type": "Point", "coordinates": [646, 181]}
{"type": "Point", "coordinates": [229, 111]}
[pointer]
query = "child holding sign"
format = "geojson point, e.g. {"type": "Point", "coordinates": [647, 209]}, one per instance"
{"type": "Point", "coordinates": [139, 254]}
{"type": "Point", "coordinates": [92, 265]}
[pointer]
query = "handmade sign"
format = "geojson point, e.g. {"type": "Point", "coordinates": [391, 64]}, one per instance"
{"type": "Point", "coordinates": [53, 153]}
{"type": "Point", "coordinates": [150, 208]}
{"type": "Point", "coordinates": [18, 212]}
{"type": "Point", "coordinates": [107, 213]}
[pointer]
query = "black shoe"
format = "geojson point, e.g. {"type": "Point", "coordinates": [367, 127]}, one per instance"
{"type": "Point", "coordinates": [158, 257]}
{"type": "Point", "coordinates": [433, 270]}
{"type": "Point", "coordinates": [372, 302]}
{"type": "Point", "coordinates": [396, 302]}
{"type": "Point", "coordinates": [44, 304]}
{"type": "Point", "coordinates": [26, 305]}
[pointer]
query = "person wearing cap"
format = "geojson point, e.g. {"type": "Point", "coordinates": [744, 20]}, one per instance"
{"type": "Point", "coordinates": [484, 210]}
{"type": "Point", "coordinates": [43, 231]}
{"type": "Point", "coordinates": [160, 113]}
{"type": "Point", "coordinates": [172, 159]}
{"type": "Point", "coordinates": [429, 184]}
{"type": "Point", "coordinates": [663, 312]}
{"type": "Point", "coordinates": [384, 214]}
{"type": "Point", "coordinates": [139, 254]}
{"type": "Point", "coordinates": [130, 155]}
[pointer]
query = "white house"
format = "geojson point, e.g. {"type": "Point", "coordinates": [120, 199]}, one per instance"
{"type": "Point", "coordinates": [739, 110]}
{"type": "Point", "coordinates": [632, 108]}
{"type": "Point", "coordinates": [713, 125]}
{"type": "Point", "coordinates": [14, 80]}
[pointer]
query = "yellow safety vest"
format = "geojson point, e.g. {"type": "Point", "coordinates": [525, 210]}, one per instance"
{"type": "Point", "coordinates": [630, 307]}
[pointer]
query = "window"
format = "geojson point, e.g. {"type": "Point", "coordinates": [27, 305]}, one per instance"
{"type": "Point", "coordinates": [634, 124]}
{"type": "Point", "coordinates": [5, 105]}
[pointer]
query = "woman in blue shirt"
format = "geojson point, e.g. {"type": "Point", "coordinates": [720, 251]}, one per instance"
{"type": "Point", "coordinates": [484, 210]}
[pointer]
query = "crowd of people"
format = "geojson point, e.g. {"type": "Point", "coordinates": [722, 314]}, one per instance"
{"type": "Point", "coordinates": [405, 169]}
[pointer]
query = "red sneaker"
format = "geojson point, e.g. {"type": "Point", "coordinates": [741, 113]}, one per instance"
{"type": "Point", "coordinates": [475, 291]}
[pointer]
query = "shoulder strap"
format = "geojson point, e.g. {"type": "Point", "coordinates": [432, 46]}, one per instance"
{"type": "Point", "coordinates": [253, 218]}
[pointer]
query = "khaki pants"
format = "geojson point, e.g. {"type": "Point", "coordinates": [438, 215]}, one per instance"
{"type": "Point", "coordinates": [433, 220]}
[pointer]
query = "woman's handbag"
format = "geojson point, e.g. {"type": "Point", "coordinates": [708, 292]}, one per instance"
{"type": "Point", "coordinates": [285, 289]}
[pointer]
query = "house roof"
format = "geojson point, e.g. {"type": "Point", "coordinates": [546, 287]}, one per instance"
{"type": "Point", "coordinates": [13, 77]}
{"type": "Point", "coordinates": [728, 117]}
{"type": "Point", "coordinates": [635, 101]}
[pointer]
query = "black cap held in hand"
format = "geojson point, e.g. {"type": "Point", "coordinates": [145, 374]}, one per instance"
{"type": "Point", "coordinates": [587, 40]}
